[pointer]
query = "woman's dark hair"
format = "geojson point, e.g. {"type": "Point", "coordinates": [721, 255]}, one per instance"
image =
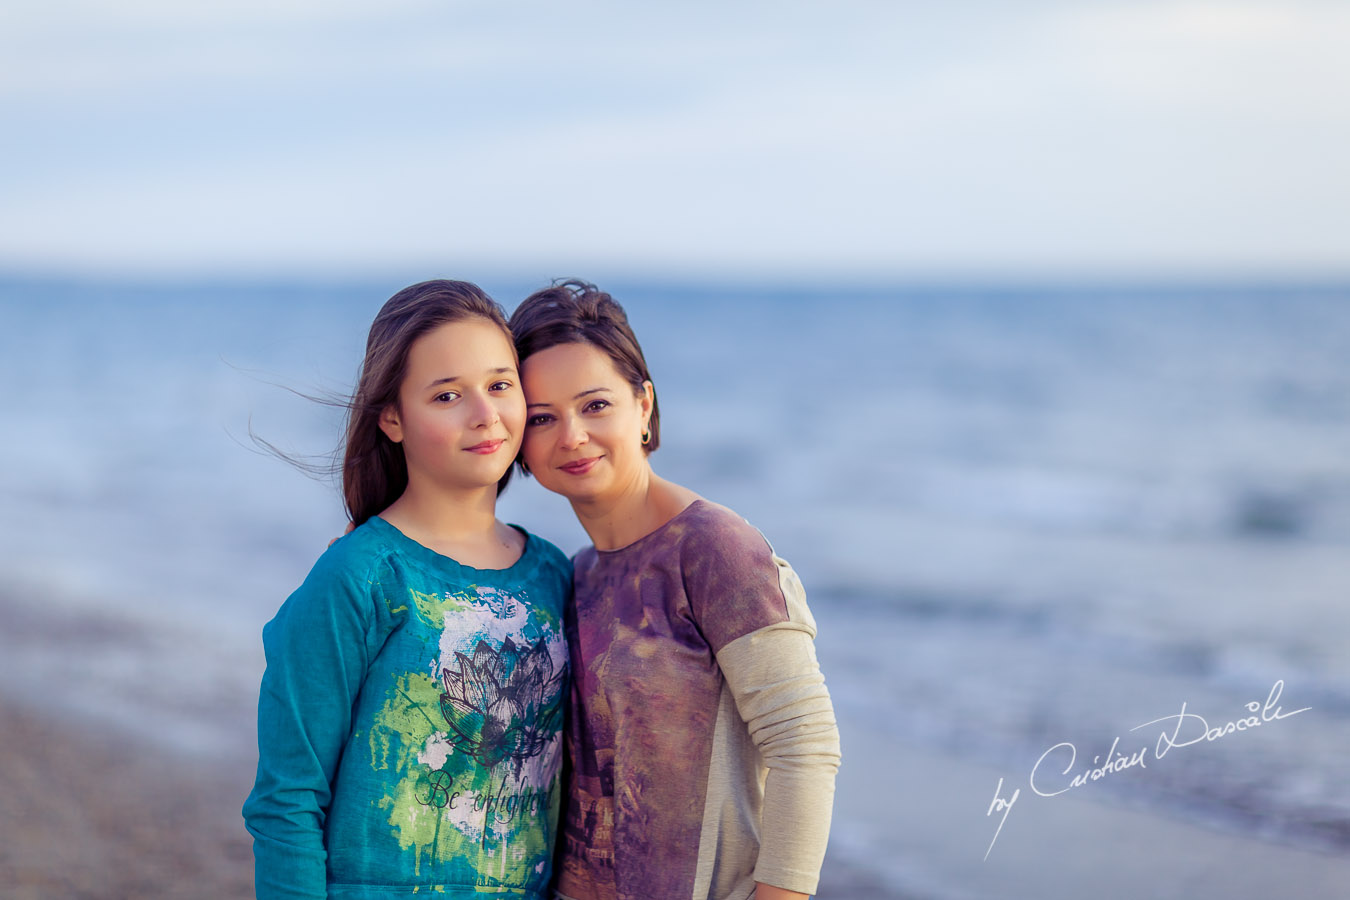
{"type": "Point", "coordinates": [374, 469]}
{"type": "Point", "coordinates": [577, 312]}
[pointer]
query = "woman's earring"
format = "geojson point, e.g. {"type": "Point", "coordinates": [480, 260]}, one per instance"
{"type": "Point", "coordinates": [646, 436]}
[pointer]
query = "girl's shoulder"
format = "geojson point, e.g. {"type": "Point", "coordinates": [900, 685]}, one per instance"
{"type": "Point", "coordinates": [357, 553]}
{"type": "Point", "coordinates": [343, 581]}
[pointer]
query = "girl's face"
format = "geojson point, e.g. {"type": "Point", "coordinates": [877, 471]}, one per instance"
{"type": "Point", "coordinates": [461, 411]}
{"type": "Point", "coordinates": [583, 437]}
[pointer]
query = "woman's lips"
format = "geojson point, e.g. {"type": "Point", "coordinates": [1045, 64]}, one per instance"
{"type": "Point", "coordinates": [580, 466]}
{"type": "Point", "coordinates": [486, 447]}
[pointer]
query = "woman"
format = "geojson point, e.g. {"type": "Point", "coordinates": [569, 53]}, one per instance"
{"type": "Point", "coordinates": [702, 741]}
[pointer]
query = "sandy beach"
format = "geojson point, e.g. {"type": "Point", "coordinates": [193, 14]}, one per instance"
{"type": "Point", "coordinates": [90, 810]}
{"type": "Point", "coordinates": [91, 816]}
{"type": "Point", "coordinates": [94, 817]}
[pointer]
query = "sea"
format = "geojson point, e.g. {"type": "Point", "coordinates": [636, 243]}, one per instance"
{"type": "Point", "coordinates": [1026, 515]}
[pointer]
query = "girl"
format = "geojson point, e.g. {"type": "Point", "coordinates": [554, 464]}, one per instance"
{"type": "Point", "coordinates": [701, 738]}
{"type": "Point", "coordinates": [409, 717]}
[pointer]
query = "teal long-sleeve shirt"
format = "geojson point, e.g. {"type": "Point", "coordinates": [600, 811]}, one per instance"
{"type": "Point", "coordinates": [409, 725]}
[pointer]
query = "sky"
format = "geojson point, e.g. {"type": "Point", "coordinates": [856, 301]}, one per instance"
{"type": "Point", "coordinates": [843, 139]}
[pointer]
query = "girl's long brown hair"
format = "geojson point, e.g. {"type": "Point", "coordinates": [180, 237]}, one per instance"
{"type": "Point", "coordinates": [374, 470]}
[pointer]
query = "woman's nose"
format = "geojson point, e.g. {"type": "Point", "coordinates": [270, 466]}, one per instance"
{"type": "Point", "coordinates": [573, 434]}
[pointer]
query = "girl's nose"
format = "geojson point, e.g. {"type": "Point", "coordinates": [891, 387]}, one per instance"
{"type": "Point", "coordinates": [485, 412]}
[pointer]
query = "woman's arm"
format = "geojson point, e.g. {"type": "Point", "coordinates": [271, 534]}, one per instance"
{"type": "Point", "coordinates": [751, 608]}
{"type": "Point", "coordinates": [781, 696]}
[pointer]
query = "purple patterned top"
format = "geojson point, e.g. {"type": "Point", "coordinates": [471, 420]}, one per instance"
{"type": "Point", "coordinates": [677, 641]}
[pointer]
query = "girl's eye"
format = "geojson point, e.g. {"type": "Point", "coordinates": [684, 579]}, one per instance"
{"type": "Point", "coordinates": [502, 386]}
{"type": "Point", "coordinates": [539, 419]}
{"type": "Point", "coordinates": [446, 397]}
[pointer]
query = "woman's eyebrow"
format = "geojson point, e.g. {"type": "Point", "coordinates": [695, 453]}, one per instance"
{"type": "Point", "coordinates": [594, 390]}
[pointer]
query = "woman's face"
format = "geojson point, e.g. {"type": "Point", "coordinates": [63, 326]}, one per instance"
{"type": "Point", "coordinates": [583, 426]}
{"type": "Point", "coordinates": [461, 410]}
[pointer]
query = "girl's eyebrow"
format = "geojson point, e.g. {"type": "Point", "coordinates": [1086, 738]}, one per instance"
{"type": "Point", "coordinates": [450, 379]}
{"type": "Point", "coordinates": [594, 390]}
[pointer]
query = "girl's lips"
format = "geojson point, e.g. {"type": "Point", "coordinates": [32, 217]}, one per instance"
{"type": "Point", "coordinates": [580, 466]}
{"type": "Point", "coordinates": [486, 447]}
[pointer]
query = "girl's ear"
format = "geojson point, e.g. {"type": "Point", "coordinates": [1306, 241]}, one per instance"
{"type": "Point", "coordinates": [390, 424]}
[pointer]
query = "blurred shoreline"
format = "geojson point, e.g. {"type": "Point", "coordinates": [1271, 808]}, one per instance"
{"type": "Point", "coordinates": [96, 806]}
{"type": "Point", "coordinates": [91, 814]}
{"type": "Point", "coordinates": [90, 817]}
{"type": "Point", "coordinates": [104, 800]}
{"type": "Point", "coordinates": [923, 820]}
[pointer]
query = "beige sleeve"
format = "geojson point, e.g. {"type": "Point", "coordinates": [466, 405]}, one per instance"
{"type": "Point", "coordinates": [780, 694]}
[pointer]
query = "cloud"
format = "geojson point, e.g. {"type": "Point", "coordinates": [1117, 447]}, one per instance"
{"type": "Point", "coordinates": [873, 135]}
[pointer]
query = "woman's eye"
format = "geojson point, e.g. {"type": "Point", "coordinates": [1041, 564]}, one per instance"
{"type": "Point", "coordinates": [539, 419]}
{"type": "Point", "coordinates": [596, 405]}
